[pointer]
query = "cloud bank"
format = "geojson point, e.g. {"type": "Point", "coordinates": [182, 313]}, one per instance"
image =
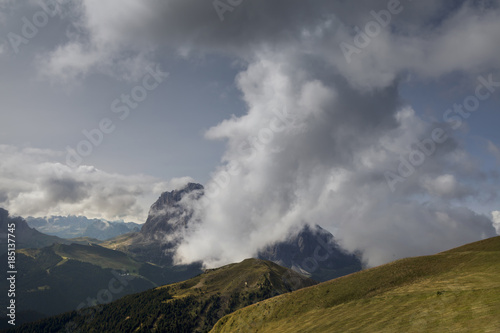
{"type": "Point", "coordinates": [33, 182]}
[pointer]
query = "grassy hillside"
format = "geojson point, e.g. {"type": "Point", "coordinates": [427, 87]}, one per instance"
{"type": "Point", "coordinates": [58, 278]}
{"type": "Point", "coordinates": [97, 255]}
{"type": "Point", "coordinates": [121, 242]}
{"type": "Point", "coordinates": [453, 291]}
{"type": "Point", "coordinates": [136, 245]}
{"type": "Point", "coordinates": [194, 305]}
{"type": "Point", "coordinates": [53, 280]}
{"type": "Point", "coordinates": [84, 240]}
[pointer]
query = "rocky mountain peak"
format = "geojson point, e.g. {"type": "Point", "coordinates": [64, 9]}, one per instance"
{"type": "Point", "coordinates": [312, 251]}
{"type": "Point", "coordinates": [172, 198]}
{"type": "Point", "coordinates": [168, 215]}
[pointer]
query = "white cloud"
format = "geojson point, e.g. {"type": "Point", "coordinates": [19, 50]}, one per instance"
{"type": "Point", "coordinates": [118, 37]}
{"type": "Point", "coordinates": [494, 150]}
{"type": "Point", "coordinates": [496, 220]}
{"type": "Point", "coordinates": [104, 41]}
{"type": "Point", "coordinates": [32, 182]}
{"type": "Point", "coordinates": [446, 186]}
{"type": "Point", "coordinates": [466, 40]}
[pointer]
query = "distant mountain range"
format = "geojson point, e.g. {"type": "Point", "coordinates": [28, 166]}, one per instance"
{"type": "Point", "coordinates": [80, 226]}
{"type": "Point", "coordinates": [27, 237]}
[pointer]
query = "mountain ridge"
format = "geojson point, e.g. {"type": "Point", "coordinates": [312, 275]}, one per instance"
{"type": "Point", "coordinates": [27, 237]}
{"type": "Point", "coordinates": [69, 227]}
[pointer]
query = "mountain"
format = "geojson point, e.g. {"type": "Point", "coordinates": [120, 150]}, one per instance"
{"type": "Point", "coordinates": [80, 226]}
{"type": "Point", "coordinates": [61, 277]}
{"type": "Point", "coordinates": [452, 291]}
{"type": "Point", "coordinates": [168, 215]}
{"type": "Point", "coordinates": [194, 305]}
{"type": "Point", "coordinates": [157, 240]}
{"type": "Point", "coordinates": [25, 236]}
{"type": "Point", "coordinates": [313, 252]}
{"type": "Point", "coordinates": [310, 251]}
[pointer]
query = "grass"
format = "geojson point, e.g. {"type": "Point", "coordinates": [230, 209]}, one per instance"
{"type": "Point", "coordinates": [121, 242]}
{"type": "Point", "coordinates": [241, 278]}
{"type": "Point", "coordinates": [453, 291]}
{"type": "Point", "coordinates": [96, 255]}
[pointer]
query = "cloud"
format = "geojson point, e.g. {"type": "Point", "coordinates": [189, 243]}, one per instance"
{"type": "Point", "coordinates": [5, 5]}
{"type": "Point", "coordinates": [313, 150]}
{"type": "Point", "coordinates": [102, 39]}
{"type": "Point", "coordinates": [494, 150]}
{"type": "Point", "coordinates": [65, 190]}
{"type": "Point", "coordinates": [175, 183]}
{"type": "Point", "coordinates": [496, 220]}
{"type": "Point", "coordinates": [344, 126]}
{"type": "Point", "coordinates": [120, 37]}
{"type": "Point", "coordinates": [446, 186]}
{"type": "Point", "coordinates": [34, 183]}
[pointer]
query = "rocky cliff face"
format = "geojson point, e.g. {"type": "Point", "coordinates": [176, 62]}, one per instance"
{"type": "Point", "coordinates": [170, 214]}
{"type": "Point", "coordinates": [168, 217]}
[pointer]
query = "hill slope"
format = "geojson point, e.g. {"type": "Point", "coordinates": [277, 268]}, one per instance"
{"type": "Point", "coordinates": [453, 291]}
{"type": "Point", "coordinates": [27, 237]}
{"type": "Point", "coordinates": [191, 306]}
{"type": "Point", "coordinates": [60, 277]}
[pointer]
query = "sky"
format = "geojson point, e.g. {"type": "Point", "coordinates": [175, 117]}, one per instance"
{"type": "Point", "coordinates": [377, 120]}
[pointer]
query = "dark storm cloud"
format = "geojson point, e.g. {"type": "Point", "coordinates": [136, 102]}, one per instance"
{"type": "Point", "coordinates": [423, 37]}
{"type": "Point", "coordinates": [65, 190]}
